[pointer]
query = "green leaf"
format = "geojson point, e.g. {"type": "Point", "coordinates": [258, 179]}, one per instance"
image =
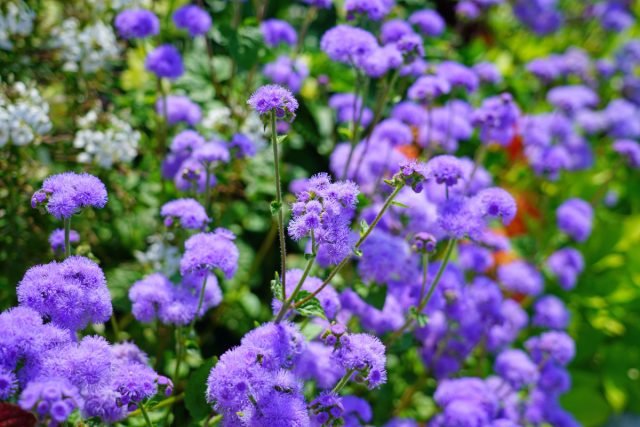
{"type": "Point", "coordinates": [377, 296]}
{"type": "Point", "coordinates": [311, 307]}
{"type": "Point", "coordinates": [396, 203]}
{"type": "Point", "coordinates": [275, 207]}
{"type": "Point", "coordinates": [281, 138]}
{"type": "Point", "coordinates": [194, 398]}
{"type": "Point", "coordinates": [421, 318]}
{"type": "Point", "coordinates": [308, 256]}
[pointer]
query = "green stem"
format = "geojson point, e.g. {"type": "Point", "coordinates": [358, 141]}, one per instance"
{"type": "Point", "coordinates": [424, 301]}
{"type": "Point", "coordinates": [179, 352]}
{"type": "Point", "coordinates": [163, 121]}
{"type": "Point", "coordinates": [343, 381]}
{"type": "Point", "coordinates": [425, 274]}
{"type": "Point", "coordinates": [280, 213]}
{"type": "Point", "coordinates": [287, 302]}
{"type": "Point", "coordinates": [308, 19]}
{"type": "Point", "coordinates": [67, 242]}
{"type": "Point", "coordinates": [200, 301]}
{"type": "Point", "coordinates": [114, 326]}
{"type": "Point", "coordinates": [356, 121]}
{"type": "Point", "coordinates": [145, 415]}
{"type": "Point", "coordinates": [359, 243]}
{"type": "Point", "coordinates": [166, 402]}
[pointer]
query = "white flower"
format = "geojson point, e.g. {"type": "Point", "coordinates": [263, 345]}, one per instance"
{"type": "Point", "coordinates": [85, 50]}
{"type": "Point", "coordinates": [17, 21]}
{"type": "Point", "coordinates": [24, 117]}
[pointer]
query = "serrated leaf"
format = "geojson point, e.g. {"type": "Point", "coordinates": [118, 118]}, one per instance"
{"type": "Point", "coordinates": [275, 207]}
{"type": "Point", "coordinates": [194, 397]}
{"type": "Point", "coordinates": [311, 307]}
{"type": "Point", "coordinates": [401, 205]}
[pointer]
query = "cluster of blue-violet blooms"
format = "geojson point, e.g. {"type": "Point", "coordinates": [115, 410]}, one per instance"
{"type": "Point", "coordinates": [399, 210]}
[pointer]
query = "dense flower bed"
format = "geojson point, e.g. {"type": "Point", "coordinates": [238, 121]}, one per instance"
{"type": "Point", "coordinates": [319, 213]}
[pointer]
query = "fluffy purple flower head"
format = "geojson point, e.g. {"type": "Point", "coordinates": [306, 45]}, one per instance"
{"type": "Point", "coordinates": [280, 343]}
{"type": "Point", "coordinates": [8, 383]}
{"type": "Point", "coordinates": [411, 46]}
{"type": "Point", "coordinates": [385, 258]}
{"type": "Point", "coordinates": [327, 408]}
{"type": "Point", "coordinates": [497, 119]}
{"type": "Point", "coordinates": [193, 19]}
{"type": "Point", "coordinates": [180, 109]}
{"type": "Point", "coordinates": [287, 72]}
{"type": "Point", "coordinates": [242, 146]}
{"type": "Point", "coordinates": [129, 352]}
{"type": "Point", "coordinates": [213, 152]}
{"type": "Point", "coordinates": [328, 297]}
{"type": "Point", "coordinates": [325, 209]}
{"type": "Point", "coordinates": [429, 22]}
{"type": "Point", "coordinates": [316, 363]}
{"type": "Point", "coordinates": [192, 176]}
{"type": "Point", "coordinates": [277, 409]}
{"type": "Point", "coordinates": [475, 258]}
{"type": "Point", "coordinates": [551, 346]}
{"type": "Point", "coordinates": [424, 242]}
{"type": "Point", "coordinates": [550, 312]}
{"type": "Point", "coordinates": [521, 277]}
{"type": "Point", "coordinates": [365, 355]}
{"type": "Point", "coordinates": [566, 264]}
{"type": "Point", "coordinates": [276, 31]}
{"type": "Point", "coordinates": [321, 4]}
{"type": "Point", "coordinates": [52, 399]}
{"type": "Point", "coordinates": [572, 99]}
{"type": "Point", "coordinates": [495, 203]}
{"type": "Point", "coordinates": [349, 45]}
{"type": "Point", "coordinates": [444, 169]}
{"type": "Point", "coordinates": [208, 251]}
{"type": "Point", "coordinates": [516, 368]}
{"type": "Point", "coordinates": [392, 132]}
{"type": "Point", "coordinates": [381, 60]}
{"type": "Point", "coordinates": [575, 218]}
{"type": "Point", "coordinates": [540, 16]}
{"type": "Point", "coordinates": [72, 293]}
{"type": "Point", "coordinates": [357, 411]}
{"type": "Point", "coordinates": [349, 108]}
{"type": "Point", "coordinates": [630, 150]}
{"type": "Point", "coordinates": [487, 72]}
{"type": "Point", "coordinates": [165, 61]}
{"type": "Point", "coordinates": [134, 383]}
{"type": "Point", "coordinates": [137, 24]}
{"type": "Point", "coordinates": [466, 402]}
{"type": "Point", "coordinates": [274, 98]}
{"type": "Point", "coordinates": [428, 88]}
{"type": "Point", "coordinates": [467, 9]}
{"type": "Point", "coordinates": [458, 75]}
{"type": "Point", "coordinates": [393, 30]}
{"type": "Point", "coordinates": [186, 142]}
{"type": "Point", "coordinates": [56, 239]}
{"type": "Point", "coordinates": [373, 9]}
{"type": "Point", "coordinates": [67, 193]}
{"type": "Point", "coordinates": [189, 212]}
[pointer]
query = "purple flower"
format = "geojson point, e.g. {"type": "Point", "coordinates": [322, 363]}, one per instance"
{"type": "Point", "coordinates": [189, 212]}
{"type": "Point", "coordinates": [274, 98]}
{"type": "Point", "coordinates": [180, 109]}
{"type": "Point", "coordinates": [316, 363]}
{"type": "Point", "coordinates": [207, 251]}
{"type": "Point", "coordinates": [356, 411]}
{"type": "Point", "coordinates": [467, 9]}
{"type": "Point", "coordinates": [287, 72]}
{"type": "Point", "coordinates": [327, 408]}
{"type": "Point", "coordinates": [276, 409]}
{"type": "Point", "coordinates": [541, 16]}
{"type": "Point", "coordinates": [212, 152]}
{"type": "Point", "coordinates": [321, 4]}
{"type": "Point", "coordinates": [495, 203]}
{"type": "Point", "coordinates": [324, 210]}
{"type": "Point", "coordinates": [575, 217]}
{"type": "Point", "coordinates": [165, 61]}
{"type": "Point", "coordinates": [551, 346]}
{"type": "Point", "coordinates": [276, 31]}
{"type": "Point", "coordinates": [521, 277]}
{"type": "Point", "coordinates": [328, 296]}
{"type": "Point", "coordinates": [72, 293]}
{"type": "Point", "coordinates": [374, 9]}
{"type": "Point", "coordinates": [550, 312]}
{"type": "Point", "coordinates": [52, 398]}
{"type": "Point", "coordinates": [56, 239]}
{"type": "Point", "coordinates": [487, 72]}
{"type": "Point", "coordinates": [65, 194]}
{"type": "Point", "coordinates": [458, 75]}
{"type": "Point", "coordinates": [385, 258]}
{"type": "Point", "coordinates": [242, 146]}
{"type": "Point", "coordinates": [393, 30]}
{"type": "Point", "coordinates": [572, 98]}
{"type": "Point", "coordinates": [186, 142]}
{"type": "Point", "coordinates": [365, 355]}
{"type": "Point", "coordinates": [349, 45]}
{"type": "Point", "coordinates": [137, 23]}
{"type": "Point", "coordinates": [349, 108]}
{"type": "Point", "coordinates": [192, 176]}
{"type": "Point", "coordinates": [392, 132]}
{"type": "Point", "coordinates": [411, 47]}
{"type": "Point", "coordinates": [465, 402]}
{"type": "Point", "coordinates": [381, 60]}
{"type": "Point", "coordinates": [280, 344]}
{"type": "Point", "coordinates": [428, 88]}
{"type": "Point", "coordinates": [516, 368]}
{"type": "Point", "coordinates": [444, 169]}
{"type": "Point", "coordinates": [497, 119]}
{"type": "Point", "coordinates": [193, 19]}
{"type": "Point", "coordinates": [475, 258]}
{"type": "Point", "coordinates": [429, 22]}
{"type": "Point", "coordinates": [630, 150]}
{"type": "Point", "coordinates": [8, 383]}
